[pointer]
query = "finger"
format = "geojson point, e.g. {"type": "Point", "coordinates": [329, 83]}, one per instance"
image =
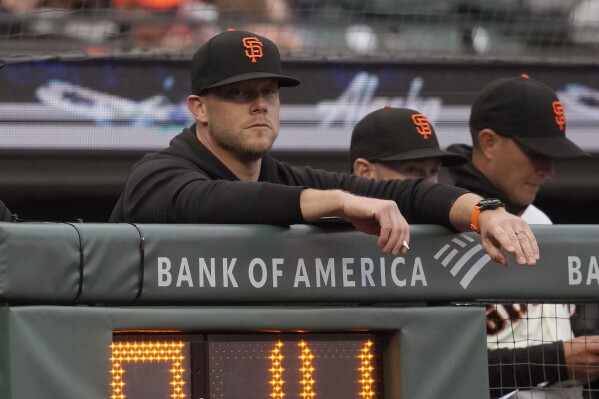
{"type": "Point", "coordinates": [384, 236]}
{"type": "Point", "coordinates": [510, 243]}
{"type": "Point", "coordinates": [518, 251]}
{"type": "Point", "coordinates": [494, 252]}
{"type": "Point", "coordinates": [402, 244]}
{"type": "Point", "coordinates": [389, 234]}
{"type": "Point", "coordinates": [533, 243]}
{"type": "Point", "coordinates": [405, 247]}
{"type": "Point", "coordinates": [405, 244]}
{"type": "Point", "coordinates": [394, 227]}
{"type": "Point", "coordinates": [524, 241]}
{"type": "Point", "coordinates": [393, 243]}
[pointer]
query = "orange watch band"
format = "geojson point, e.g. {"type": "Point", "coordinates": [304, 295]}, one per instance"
{"type": "Point", "coordinates": [474, 219]}
{"type": "Point", "coordinates": [483, 205]}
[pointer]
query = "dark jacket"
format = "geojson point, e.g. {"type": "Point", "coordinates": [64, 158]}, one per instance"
{"type": "Point", "coordinates": [186, 183]}
{"type": "Point", "coordinates": [468, 177]}
{"type": "Point", "coordinates": [518, 368]}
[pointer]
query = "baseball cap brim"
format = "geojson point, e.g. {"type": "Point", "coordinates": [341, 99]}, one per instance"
{"type": "Point", "coordinates": [284, 81]}
{"type": "Point", "coordinates": [447, 158]}
{"type": "Point", "coordinates": [554, 147]}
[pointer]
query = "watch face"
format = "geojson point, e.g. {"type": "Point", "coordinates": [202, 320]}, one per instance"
{"type": "Point", "coordinates": [489, 203]}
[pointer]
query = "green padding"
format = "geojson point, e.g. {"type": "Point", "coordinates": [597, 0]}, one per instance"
{"type": "Point", "coordinates": [205, 264]}
{"type": "Point", "coordinates": [113, 262]}
{"type": "Point", "coordinates": [63, 352]}
{"type": "Point", "coordinates": [39, 262]}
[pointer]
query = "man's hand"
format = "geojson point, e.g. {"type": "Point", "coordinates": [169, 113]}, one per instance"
{"type": "Point", "coordinates": [369, 215]}
{"type": "Point", "coordinates": [378, 217]}
{"type": "Point", "coordinates": [582, 358]}
{"type": "Point", "coordinates": [498, 229]}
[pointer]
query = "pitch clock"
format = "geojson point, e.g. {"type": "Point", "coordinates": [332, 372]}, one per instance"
{"type": "Point", "coordinates": [229, 366]}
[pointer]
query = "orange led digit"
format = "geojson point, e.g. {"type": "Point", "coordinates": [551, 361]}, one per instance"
{"type": "Point", "coordinates": [276, 371]}
{"type": "Point", "coordinates": [147, 352]}
{"type": "Point", "coordinates": [307, 370]}
{"type": "Point", "coordinates": [366, 368]}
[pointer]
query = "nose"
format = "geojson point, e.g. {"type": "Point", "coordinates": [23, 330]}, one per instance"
{"type": "Point", "coordinates": [259, 104]}
{"type": "Point", "coordinates": [430, 173]}
{"type": "Point", "coordinates": [430, 176]}
{"type": "Point", "coordinates": [545, 167]}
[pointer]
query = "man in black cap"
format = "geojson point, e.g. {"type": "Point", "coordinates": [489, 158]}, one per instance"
{"type": "Point", "coordinates": [220, 171]}
{"type": "Point", "coordinates": [518, 128]}
{"type": "Point", "coordinates": [398, 143]}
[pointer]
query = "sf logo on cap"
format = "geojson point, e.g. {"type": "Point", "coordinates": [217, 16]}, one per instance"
{"type": "Point", "coordinates": [560, 118]}
{"type": "Point", "coordinates": [423, 126]}
{"type": "Point", "coordinates": [254, 48]}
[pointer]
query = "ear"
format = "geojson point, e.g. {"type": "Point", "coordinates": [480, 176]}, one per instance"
{"type": "Point", "coordinates": [197, 107]}
{"type": "Point", "coordinates": [364, 168]}
{"type": "Point", "coordinates": [487, 142]}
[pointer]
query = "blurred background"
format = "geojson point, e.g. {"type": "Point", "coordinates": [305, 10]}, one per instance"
{"type": "Point", "coordinates": [89, 86]}
{"type": "Point", "coordinates": [327, 29]}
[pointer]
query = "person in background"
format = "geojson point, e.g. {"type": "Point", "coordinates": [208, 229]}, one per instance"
{"type": "Point", "coordinates": [274, 19]}
{"type": "Point", "coordinates": [518, 129]}
{"type": "Point", "coordinates": [171, 25]}
{"type": "Point", "coordinates": [398, 143]}
{"type": "Point", "coordinates": [220, 171]}
{"type": "Point", "coordinates": [19, 6]}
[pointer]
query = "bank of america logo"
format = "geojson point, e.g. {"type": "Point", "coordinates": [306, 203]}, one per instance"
{"type": "Point", "coordinates": [464, 257]}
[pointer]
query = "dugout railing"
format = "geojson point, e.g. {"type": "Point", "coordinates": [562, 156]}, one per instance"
{"type": "Point", "coordinates": [75, 294]}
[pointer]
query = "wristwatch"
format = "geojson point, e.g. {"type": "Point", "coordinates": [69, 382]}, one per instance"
{"type": "Point", "coordinates": [483, 205]}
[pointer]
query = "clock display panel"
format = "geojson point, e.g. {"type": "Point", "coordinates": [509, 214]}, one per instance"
{"type": "Point", "coordinates": [252, 366]}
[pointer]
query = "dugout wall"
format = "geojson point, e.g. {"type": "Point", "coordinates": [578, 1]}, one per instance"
{"type": "Point", "coordinates": [70, 289]}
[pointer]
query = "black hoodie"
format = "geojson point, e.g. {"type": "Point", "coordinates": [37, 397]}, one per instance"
{"type": "Point", "coordinates": [186, 183]}
{"type": "Point", "coordinates": [470, 178]}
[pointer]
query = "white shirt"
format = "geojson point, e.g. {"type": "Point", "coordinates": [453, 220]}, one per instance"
{"type": "Point", "coordinates": [534, 215]}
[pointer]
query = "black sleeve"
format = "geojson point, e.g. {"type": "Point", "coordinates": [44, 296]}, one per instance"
{"type": "Point", "coordinates": [523, 368]}
{"type": "Point", "coordinates": [419, 201]}
{"type": "Point", "coordinates": [586, 319]}
{"type": "Point", "coordinates": [5, 215]}
{"type": "Point", "coordinates": [586, 322]}
{"type": "Point", "coordinates": [161, 190]}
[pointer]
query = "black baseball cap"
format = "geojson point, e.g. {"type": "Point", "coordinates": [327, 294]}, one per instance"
{"type": "Point", "coordinates": [527, 111]}
{"type": "Point", "coordinates": [398, 134]}
{"type": "Point", "coordinates": [234, 56]}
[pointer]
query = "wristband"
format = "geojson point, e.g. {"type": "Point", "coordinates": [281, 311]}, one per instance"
{"type": "Point", "coordinates": [483, 205]}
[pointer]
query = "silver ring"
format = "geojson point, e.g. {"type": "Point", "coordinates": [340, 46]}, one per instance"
{"type": "Point", "coordinates": [405, 244]}
{"type": "Point", "coordinates": [520, 232]}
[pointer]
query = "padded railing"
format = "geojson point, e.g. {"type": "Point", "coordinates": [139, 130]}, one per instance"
{"type": "Point", "coordinates": [68, 263]}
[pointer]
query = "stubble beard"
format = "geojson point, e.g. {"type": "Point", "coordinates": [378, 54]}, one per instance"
{"type": "Point", "coordinates": [235, 145]}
